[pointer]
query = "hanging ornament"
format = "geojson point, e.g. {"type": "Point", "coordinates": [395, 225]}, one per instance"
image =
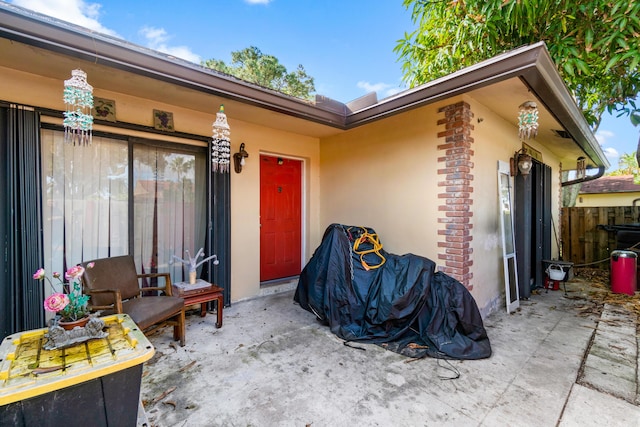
{"type": "Point", "coordinates": [78, 98]}
{"type": "Point", "coordinates": [220, 143]}
{"type": "Point", "coordinates": [581, 167]}
{"type": "Point", "coordinates": [528, 120]}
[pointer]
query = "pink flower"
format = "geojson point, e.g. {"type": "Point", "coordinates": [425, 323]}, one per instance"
{"type": "Point", "coordinates": [56, 275]}
{"type": "Point", "coordinates": [56, 302]}
{"type": "Point", "coordinates": [74, 272]}
{"type": "Point", "coordinates": [91, 265]}
{"type": "Point", "coordinates": [39, 274]}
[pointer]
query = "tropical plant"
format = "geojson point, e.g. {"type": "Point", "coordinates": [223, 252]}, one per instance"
{"type": "Point", "coordinates": [252, 65]}
{"type": "Point", "coordinates": [594, 43]}
{"type": "Point", "coordinates": [627, 165]}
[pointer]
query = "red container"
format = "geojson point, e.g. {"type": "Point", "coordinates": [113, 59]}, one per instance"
{"type": "Point", "coordinates": [623, 272]}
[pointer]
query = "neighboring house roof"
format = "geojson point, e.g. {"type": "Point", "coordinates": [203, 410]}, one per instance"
{"type": "Point", "coordinates": [610, 184]}
{"type": "Point", "coordinates": [526, 72]}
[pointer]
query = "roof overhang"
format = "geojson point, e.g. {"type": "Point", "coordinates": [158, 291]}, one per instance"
{"type": "Point", "coordinates": [530, 67]}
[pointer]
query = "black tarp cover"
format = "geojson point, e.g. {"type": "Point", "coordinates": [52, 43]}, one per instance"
{"type": "Point", "coordinates": [404, 305]}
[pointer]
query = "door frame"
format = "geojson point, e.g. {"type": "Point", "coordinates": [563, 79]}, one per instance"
{"type": "Point", "coordinates": [509, 253]}
{"type": "Point", "coordinates": [304, 217]}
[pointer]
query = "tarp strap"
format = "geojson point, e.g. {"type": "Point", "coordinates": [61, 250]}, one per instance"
{"type": "Point", "coordinates": [348, 344]}
{"type": "Point", "coordinates": [372, 238]}
{"type": "Point", "coordinates": [450, 367]}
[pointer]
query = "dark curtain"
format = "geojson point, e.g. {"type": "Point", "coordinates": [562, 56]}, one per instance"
{"type": "Point", "coordinates": [221, 232]}
{"type": "Point", "coordinates": [218, 239]}
{"type": "Point", "coordinates": [523, 232]}
{"type": "Point", "coordinates": [21, 297]}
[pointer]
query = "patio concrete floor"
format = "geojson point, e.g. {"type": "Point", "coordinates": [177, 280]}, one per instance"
{"type": "Point", "coordinates": [555, 362]}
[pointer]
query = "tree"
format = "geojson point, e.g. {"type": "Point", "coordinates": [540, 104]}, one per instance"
{"type": "Point", "coordinates": [594, 43]}
{"type": "Point", "coordinates": [627, 165]}
{"type": "Point", "coordinates": [252, 65]}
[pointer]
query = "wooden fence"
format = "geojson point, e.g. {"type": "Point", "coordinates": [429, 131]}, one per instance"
{"type": "Point", "coordinates": [584, 240]}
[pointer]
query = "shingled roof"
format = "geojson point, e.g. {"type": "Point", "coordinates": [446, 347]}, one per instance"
{"type": "Point", "coordinates": [610, 184]}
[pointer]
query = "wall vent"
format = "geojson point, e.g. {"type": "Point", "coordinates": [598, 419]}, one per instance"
{"type": "Point", "coordinates": [562, 133]}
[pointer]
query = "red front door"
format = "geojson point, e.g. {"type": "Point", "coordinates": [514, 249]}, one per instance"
{"type": "Point", "coordinates": [280, 217]}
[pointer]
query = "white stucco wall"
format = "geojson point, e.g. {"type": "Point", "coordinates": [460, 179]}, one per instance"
{"type": "Point", "coordinates": [385, 176]}
{"type": "Point", "coordinates": [607, 199]}
{"type": "Point", "coordinates": [382, 175]}
{"type": "Point", "coordinates": [31, 89]}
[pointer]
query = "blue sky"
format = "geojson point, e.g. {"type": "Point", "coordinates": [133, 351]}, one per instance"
{"type": "Point", "coordinates": [347, 45]}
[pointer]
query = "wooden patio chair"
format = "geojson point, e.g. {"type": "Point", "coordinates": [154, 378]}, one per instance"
{"type": "Point", "coordinates": [114, 287]}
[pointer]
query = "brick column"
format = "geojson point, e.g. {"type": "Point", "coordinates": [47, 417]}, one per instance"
{"type": "Point", "coordinates": [457, 196]}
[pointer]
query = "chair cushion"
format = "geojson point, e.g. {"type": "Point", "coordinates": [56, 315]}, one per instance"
{"type": "Point", "coordinates": [147, 311]}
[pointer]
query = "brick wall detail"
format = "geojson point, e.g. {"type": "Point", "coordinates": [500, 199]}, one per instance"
{"type": "Point", "coordinates": [456, 193]}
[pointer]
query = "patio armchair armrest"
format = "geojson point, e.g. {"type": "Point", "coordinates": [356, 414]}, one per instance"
{"type": "Point", "coordinates": [167, 282]}
{"type": "Point", "coordinates": [117, 303]}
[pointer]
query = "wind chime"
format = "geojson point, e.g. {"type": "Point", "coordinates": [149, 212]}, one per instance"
{"type": "Point", "coordinates": [528, 120]}
{"type": "Point", "coordinates": [581, 167]}
{"type": "Point", "coordinates": [527, 129]}
{"type": "Point", "coordinates": [78, 98]}
{"type": "Point", "coordinates": [220, 143]}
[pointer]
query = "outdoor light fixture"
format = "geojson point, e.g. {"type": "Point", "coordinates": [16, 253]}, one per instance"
{"type": "Point", "coordinates": [238, 158]}
{"type": "Point", "coordinates": [220, 143]}
{"type": "Point", "coordinates": [78, 98]}
{"type": "Point", "coordinates": [521, 162]}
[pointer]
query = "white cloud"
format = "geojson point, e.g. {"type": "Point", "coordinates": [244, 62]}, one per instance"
{"type": "Point", "coordinates": [77, 12]}
{"type": "Point", "coordinates": [373, 87]}
{"type": "Point", "coordinates": [384, 89]}
{"type": "Point", "coordinates": [157, 40]}
{"type": "Point", "coordinates": [393, 91]}
{"type": "Point", "coordinates": [612, 156]}
{"type": "Point", "coordinates": [258, 1]}
{"type": "Point", "coordinates": [611, 152]}
{"type": "Point", "coordinates": [604, 136]}
{"type": "Point", "coordinates": [86, 15]}
{"type": "Point", "coordinates": [154, 36]}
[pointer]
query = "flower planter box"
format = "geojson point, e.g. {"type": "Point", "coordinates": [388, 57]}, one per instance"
{"type": "Point", "coordinates": [95, 383]}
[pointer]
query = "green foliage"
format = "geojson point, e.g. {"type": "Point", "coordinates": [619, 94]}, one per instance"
{"type": "Point", "coordinates": [627, 165]}
{"type": "Point", "coordinates": [77, 307]}
{"type": "Point", "coordinates": [594, 43]}
{"type": "Point", "coordinates": [252, 65]}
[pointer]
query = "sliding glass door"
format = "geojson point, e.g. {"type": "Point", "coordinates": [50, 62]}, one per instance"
{"type": "Point", "coordinates": [122, 196]}
{"type": "Point", "coordinates": [169, 193]}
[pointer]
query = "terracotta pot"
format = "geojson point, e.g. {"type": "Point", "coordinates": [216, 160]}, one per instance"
{"type": "Point", "coordinates": [73, 323]}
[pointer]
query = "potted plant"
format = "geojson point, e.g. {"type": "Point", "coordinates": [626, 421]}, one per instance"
{"type": "Point", "coordinates": [70, 305]}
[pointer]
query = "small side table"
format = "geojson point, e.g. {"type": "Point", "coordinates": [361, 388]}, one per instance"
{"type": "Point", "coordinates": [201, 295]}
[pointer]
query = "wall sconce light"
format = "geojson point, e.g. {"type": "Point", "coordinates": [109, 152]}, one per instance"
{"type": "Point", "coordinates": [521, 162]}
{"type": "Point", "coordinates": [238, 158]}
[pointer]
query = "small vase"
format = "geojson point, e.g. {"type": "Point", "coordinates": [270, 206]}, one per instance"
{"type": "Point", "coordinates": [192, 277]}
{"type": "Point", "coordinates": [69, 325]}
